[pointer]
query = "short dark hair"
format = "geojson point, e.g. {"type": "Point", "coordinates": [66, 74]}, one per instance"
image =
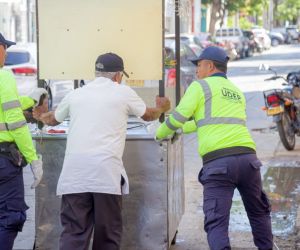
{"type": "Point", "coordinates": [220, 66]}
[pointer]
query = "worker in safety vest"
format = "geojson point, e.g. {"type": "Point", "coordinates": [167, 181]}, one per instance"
{"type": "Point", "coordinates": [16, 150]}
{"type": "Point", "coordinates": [215, 108]}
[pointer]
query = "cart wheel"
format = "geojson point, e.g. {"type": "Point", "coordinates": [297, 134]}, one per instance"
{"type": "Point", "coordinates": [173, 242]}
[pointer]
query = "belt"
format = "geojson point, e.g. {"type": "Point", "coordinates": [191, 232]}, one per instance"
{"type": "Point", "coordinates": [5, 147]}
{"type": "Point", "coordinates": [227, 152]}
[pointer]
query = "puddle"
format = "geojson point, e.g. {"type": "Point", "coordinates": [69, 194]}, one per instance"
{"type": "Point", "coordinates": [282, 184]}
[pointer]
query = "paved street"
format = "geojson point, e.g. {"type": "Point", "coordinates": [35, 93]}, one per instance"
{"type": "Point", "coordinates": [191, 236]}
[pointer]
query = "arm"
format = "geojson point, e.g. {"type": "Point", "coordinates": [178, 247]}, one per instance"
{"type": "Point", "coordinates": [185, 109]}
{"type": "Point", "coordinates": [162, 106]}
{"type": "Point", "coordinates": [49, 118]}
{"type": "Point", "coordinates": [137, 107]}
{"type": "Point", "coordinates": [53, 118]}
{"type": "Point", "coordinates": [13, 117]}
{"type": "Point", "coordinates": [26, 102]}
{"type": "Point", "coordinates": [152, 114]}
{"type": "Point", "coordinates": [189, 127]}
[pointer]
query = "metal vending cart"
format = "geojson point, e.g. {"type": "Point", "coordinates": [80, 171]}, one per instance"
{"type": "Point", "coordinates": [153, 209]}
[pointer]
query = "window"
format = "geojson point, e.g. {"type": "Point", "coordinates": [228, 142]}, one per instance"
{"type": "Point", "coordinates": [14, 58]}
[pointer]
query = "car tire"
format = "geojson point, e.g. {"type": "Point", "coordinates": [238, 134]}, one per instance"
{"type": "Point", "coordinates": [249, 52]}
{"type": "Point", "coordinates": [275, 42]}
{"type": "Point", "coordinates": [243, 54]}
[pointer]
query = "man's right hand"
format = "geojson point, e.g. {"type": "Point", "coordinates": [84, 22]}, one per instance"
{"type": "Point", "coordinates": [163, 103]}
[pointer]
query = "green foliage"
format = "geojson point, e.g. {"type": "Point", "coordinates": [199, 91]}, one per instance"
{"type": "Point", "coordinates": [245, 23]}
{"type": "Point", "coordinates": [288, 10]}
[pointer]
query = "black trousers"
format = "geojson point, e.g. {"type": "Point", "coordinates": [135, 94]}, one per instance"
{"type": "Point", "coordinates": [12, 203]}
{"type": "Point", "coordinates": [83, 212]}
{"type": "Point", "coordinates": [220, 178]}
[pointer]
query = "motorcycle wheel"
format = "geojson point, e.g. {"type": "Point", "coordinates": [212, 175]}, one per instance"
{"type": "Point", "coordinates": [286, 132]}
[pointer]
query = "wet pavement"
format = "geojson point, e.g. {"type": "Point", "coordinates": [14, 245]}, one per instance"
{"type": "Point", "coordinates": [282, 184]}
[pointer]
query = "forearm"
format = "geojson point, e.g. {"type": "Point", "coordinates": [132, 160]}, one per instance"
{"type": "Point", "coordinates": [22, 138]}
{"type": "Point", "coordinates": [152, 114]}
{"type": "Point", "coordinates": [26, 102]}
{"type": "Point", "coordinates": [48, 119]}
{"type": "Point", "coordinates": [189, 127]}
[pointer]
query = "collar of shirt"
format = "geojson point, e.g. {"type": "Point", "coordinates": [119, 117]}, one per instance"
{"type": "Point", "coordinates": [219, 74]}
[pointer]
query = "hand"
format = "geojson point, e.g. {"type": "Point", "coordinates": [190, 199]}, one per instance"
{"type": "Point", "coordinates": [163, 103]}
{"type": "Point", "coordinates": [38, 111]}
{"type": "Point", "coordinates": [37, 171]}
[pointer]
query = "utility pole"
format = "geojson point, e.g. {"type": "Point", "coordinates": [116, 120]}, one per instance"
{"type": "Point", "coordinates": [28, 19]}
{"type": "Point", "coordinates": [271, 15]}
{"type": "Point", "coordinates": [197, 17]}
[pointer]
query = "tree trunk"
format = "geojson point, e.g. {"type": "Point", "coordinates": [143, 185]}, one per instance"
{"type": "Point", "coordinates": [214, 17]}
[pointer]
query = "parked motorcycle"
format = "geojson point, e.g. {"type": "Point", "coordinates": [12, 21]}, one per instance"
{"type": "Point", "coordinates": [284, 106]}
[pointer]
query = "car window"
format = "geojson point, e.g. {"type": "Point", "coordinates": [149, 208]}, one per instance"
{"type": "Point", "coordinates": [197, 41]}
{"type": "Point", "coordinates": [14, 58]}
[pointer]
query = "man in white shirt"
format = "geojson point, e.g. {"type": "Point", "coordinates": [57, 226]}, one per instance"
{"type": "Point", "coordinates": [93, 177]}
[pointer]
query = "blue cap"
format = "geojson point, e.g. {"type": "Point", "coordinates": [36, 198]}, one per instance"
{"type": "Point", "coordinates": [6, 42]}
{"type": "Point", "coordinates": [212, 53]}
{"type": "Point", "coordinates": [110, 62]}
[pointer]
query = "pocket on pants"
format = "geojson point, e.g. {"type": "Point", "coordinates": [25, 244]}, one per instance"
{"type": "Point", "coordinates": [15, 214]}
{"type": "Point", "coordinates": [209, 207]}
{"type": "Point", "coordinates": [256, 164]}
{"type": "Point", "coordinates": [214, 172]}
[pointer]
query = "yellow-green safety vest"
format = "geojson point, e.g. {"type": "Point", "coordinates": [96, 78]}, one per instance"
{"type": "Point", "coordinates": [218, 112]}
{"type": "Point", "coordinates": [13, 126]}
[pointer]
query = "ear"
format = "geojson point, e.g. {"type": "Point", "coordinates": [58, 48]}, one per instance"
{"type": "Point", "coordinates": [211, 65]}
{"type": "Point", "coordinates": [115, 78]}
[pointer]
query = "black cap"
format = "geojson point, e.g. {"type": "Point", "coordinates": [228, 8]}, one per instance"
{"type": "Point", "coordinates": [6, 42]}
{"type": "Point", "coordinates": [110, 62]}
{"type": "Point", "coordinates": [212, 53]}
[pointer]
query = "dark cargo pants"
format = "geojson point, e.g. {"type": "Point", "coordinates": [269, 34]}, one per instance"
{"type": "Point", "coordinates": [219, 178]}
{"type": "Point", "coordinates": [83, 212]}
{"type": "Point", "coordinates": [12, 204]}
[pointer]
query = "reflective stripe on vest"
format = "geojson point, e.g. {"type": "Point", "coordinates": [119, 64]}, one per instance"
{"type": "Point", "coordinates": [12, 126]}
{"type": "Point", "coordinates": [208, 119]}
{"type": "Point", "coordinates": [11, 105]}
{"type": "Point", "coordinates": [170, 125]}
{"type": "Point", "coordinates": [179, 117]}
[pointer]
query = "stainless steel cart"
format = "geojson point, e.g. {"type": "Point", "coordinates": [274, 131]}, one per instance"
{"type": "Point", "coordinates": [154, 207]}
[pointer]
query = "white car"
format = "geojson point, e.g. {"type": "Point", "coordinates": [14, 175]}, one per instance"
{"type": "Point", "coordinates": [21, 60]}
{"type": "Point", "coordinates": [263, 36]}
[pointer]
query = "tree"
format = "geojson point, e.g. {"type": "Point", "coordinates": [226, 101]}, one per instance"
{"type": "Point", "coordinates": [288, 10]}
{"type": "Point", "coordinates": [220, 7]}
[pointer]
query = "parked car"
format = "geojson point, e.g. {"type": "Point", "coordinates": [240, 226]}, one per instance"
{"type": "Point", "coordinates": [187, 68]}
{"type": "Point", "coordinates": [21, 60]}
{"type": "Point", "coordinates": [283, 31]}
{"type": "Point", "coordinates": [205, 39]}
{"type": "Point", "coordinates": [236, 36]}
{"type": "Point", "coordinates": [294, 32]}
{"type": "Point", "coordinates": [262, 36]}
{"type": "Point", "coordinates": [191, 40]}
{"type": "Point", "coordinates": [276, 38]}
{"type": "Point", "coordinates": [254, 44]}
